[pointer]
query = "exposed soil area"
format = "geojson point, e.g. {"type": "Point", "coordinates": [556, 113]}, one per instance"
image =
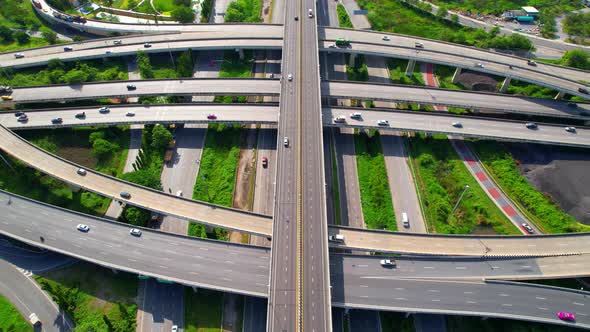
{"type": "Point", "coordinates": [478, 81]}
{"type": "Point", "coordinates": [560, 173]}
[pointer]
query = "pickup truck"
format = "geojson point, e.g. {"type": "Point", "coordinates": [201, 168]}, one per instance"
{"type": "Point", "coordinates": [339, 238]}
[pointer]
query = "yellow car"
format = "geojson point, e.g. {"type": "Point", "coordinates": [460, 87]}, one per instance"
{"type": "Point", "coordinates": [6, 98]}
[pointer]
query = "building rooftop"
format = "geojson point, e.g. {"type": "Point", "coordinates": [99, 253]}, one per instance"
{"type": "Point", "coordinates": [530, 10]}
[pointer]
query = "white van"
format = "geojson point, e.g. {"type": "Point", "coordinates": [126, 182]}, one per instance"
{"type": "Point", "coordinates": [405, 220]}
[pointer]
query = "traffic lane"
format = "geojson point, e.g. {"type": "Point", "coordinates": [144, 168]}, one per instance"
{"type": "Point", "coordinates": [208, 43]}
{"type": "Point", "coordinates": [317, 308]}
{"type": "Point", "coordinates": [31, 258]}
{"type": "Point", "coordinates": [162, 306]}
{"type": "Point", "coordinates": [442, 48]}
{"type": "Point", "coordinates": [368, 267]}
{"type": "Point", "coordinates": [467, 126]}
{"type": "Point", "coordinates": [207, 263]}
{"type": "Point", "coordinates": [142, 114]}
{"type": "Point", "coordinates": [140, 196]}
{"type": "Point", "coordinates": [28, 298]}
{"type": "Point", "coordinates": [146, 88]}
{"type": "Point", "coordinates": [364, 321]}
{"type": "Point", "coordinates": [254, 314]}
{"type": "Point", "coordinates": [455, 98]}
{"type": "Point", "coordinates": [491, 299]}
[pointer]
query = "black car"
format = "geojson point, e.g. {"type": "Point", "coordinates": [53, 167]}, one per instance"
{"type": "Point", "coordinates": [584, 91]}
{"type": "Point", "coordinates": [572, 105]}
{"type": "Point", "coordinates": [56, 120]}
{"type": "Point", "coordinates": [17, 114]}
{"type": "Point", "coordinates": [125, 194]}
{"type": "Point", "coordinates": [81, 115]}
{"type": "Point", "coordinates": [131, 87]}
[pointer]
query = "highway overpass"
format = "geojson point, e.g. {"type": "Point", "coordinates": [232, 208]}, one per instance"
{"type": "Point", "coordinates": [409, 121]}
{"type": "Point", "coordinates": [357, 281]}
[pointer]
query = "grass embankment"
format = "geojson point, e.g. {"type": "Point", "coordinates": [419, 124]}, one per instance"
{"type": "Point", "coordinates": [11, 318]}
{"type": "Point", "coordinates": [15, 46]}
{"type": "Point", "coordinates": [234, 67]}
{"type": "Point", "coordinates": [72, 144]}
{"type": "Point", "coordinates": [217, 172]}
{"type": "Point", "coordinates": [57, 72]}
{"type": "Point", "coordinates": [531, 90]}
{"type": "Point", "coordinates": [401, 17]}
{"type": "Point", "coordinates": [396, 322]}
{"type": "Point", "coordinates": [373, 184]}
{"type": "Point", "coordinates": [546, 213]}
{"type": "Point", "coordinates": [444, 75]}
{"type": "Point", "coordinates": [202, 310]}
{"type": "Point", "coordinates": [470, 324]}
{"type": "Point", "coordinates": [358, 71]}
{"type": "Point", "coordinates": [441, 177]}
{"type": "Point", "coordinates": [343, 18]}
{"type": "Point", "coordinates": [94, 297]}
{"type": "Point", "coordinates": [397, 72]}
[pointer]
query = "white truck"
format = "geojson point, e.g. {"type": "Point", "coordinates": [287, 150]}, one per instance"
{"type": "Point", "coordinates": [339, 238]}
{"type": "Point", "coordinates": [34, 320]}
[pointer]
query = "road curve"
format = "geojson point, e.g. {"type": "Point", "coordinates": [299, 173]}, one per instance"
{"type": "Point", "coordinates": [358, 282]}
{"type": "Point", "coordinates": [140, 196]}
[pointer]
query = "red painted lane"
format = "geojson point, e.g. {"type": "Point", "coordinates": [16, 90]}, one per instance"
{"type": "Point", "coordinates": [481, 176]}
{"type": "Point", "coordinates": [494, 192]}
{"type": "Point", "coordinates": [509, 210]}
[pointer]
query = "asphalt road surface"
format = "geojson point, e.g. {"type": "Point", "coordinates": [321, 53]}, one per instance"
{"type": "Point", "coordinates": [162, 306]}
{"type": "Point", "coordinates": [350, 195]}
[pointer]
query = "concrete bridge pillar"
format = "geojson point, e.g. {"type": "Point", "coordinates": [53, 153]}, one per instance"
{"type": "Point", "coordinates": [560, 95]}
{"type": "Point", "coordinates": [410, 67]}
{"type": "Point", "coordinates": [505, 84]}
{"type": "Point", "coordinates": [241, 52]}
{"type": "Point", "coordinates": [352, 59]}
{"type": "Point", "coordinates": [456, 74]}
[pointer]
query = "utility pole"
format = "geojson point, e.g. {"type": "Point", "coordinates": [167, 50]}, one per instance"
{"type": "Point", "coordinates": [458, 201]}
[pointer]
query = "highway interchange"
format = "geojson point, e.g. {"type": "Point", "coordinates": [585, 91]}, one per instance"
{"type": "Point", "coordinates": [309, 278]}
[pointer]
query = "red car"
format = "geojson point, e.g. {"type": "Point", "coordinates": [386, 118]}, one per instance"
{"type": "Point", "coordinates": [264, 162]}
{"type": "Point", "coordinates": [566, 316]}
{"type": "Point", "coordinates": [211, 116]}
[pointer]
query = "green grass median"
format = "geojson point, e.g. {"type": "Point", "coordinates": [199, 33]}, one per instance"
{"type": "Point", "coordinates": [11, 319]}
{"type": "Point", "coordinates": [373, 184]}
{"type": "Point", "coordinates": [442, 177]}
{"type": "Point", "coordinates": [202, 310]}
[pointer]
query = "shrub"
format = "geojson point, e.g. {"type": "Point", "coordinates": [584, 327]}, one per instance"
{"type": "Point", "coordinates": [160, 137]}
{"type": "Point", "coordinates": [49, 36]}
{"type": "Point", "coordinates": [102, 148]}
{"type": "Point", "coordinates": [183, 15]}
{"type": "Point", "coordinates": [22, 37]}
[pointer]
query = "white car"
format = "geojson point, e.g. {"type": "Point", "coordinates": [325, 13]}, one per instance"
{"type": "Point", "coordinates": [19, 55]}
{"type": "Point", "coordinates": [286, 141]}
{"type": "Point", "coordinates": [83, 228]}
{"type": "Point", "coordinates": [290, 77]}
{"type": "Point", "coordinates": [104, 110]}
{"type": "Point", "coordinates": [387, 262]}
{"type": "Point", "coordinates": [135, 232]}
{"type": "Point", "coordinates": [386, 38]}
{"type": "Point", "coordinates": [570, 129]}
{"type": "Point", "coordinates": [457, 125]}
{"type": "Point", "coordinates": [480, 65]}
{"type": "Point", "coordinates": [383, 123]}
{"type": "Point", "coordinates": [418, 45]}
{"type": "Point", "coordinates": [174, 328]}
{"type": "Point", "coordinates": [179, 193]}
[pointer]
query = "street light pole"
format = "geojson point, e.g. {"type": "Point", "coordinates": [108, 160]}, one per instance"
{"type": "Point", "coordinates": [458, 201]}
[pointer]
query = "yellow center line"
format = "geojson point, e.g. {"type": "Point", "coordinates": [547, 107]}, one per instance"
{"type": "Point", "coordinates": [298, 213]}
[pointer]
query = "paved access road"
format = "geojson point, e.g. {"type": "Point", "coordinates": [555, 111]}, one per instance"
{"type": "Point", "coordinates": [471, 126]}
{"type": "Point", "coordinates": [455, 98]}
{"type": "Point", "coordinates": [140, 196]}
{"type": "Point", "coordinates": [118, 89]}
{"type": "Point", "coordinates": [145, 114]}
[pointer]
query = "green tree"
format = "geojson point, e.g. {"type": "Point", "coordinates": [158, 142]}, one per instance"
{"type": "Point", "coordinates": [442, 12]}
{"type": "Point", "coordinates": [135, 216]}
{"type": "Point", "coordinates": [145, 67]}
{"type": "Point", "coordinates": [183, 15]}
{"type": "Point", "coordinates": [75, 76]}
{"type": "Point", "coordinates": [455, 18]}
{"type": "Point", "coordinates": [102, 148]}
{"type": "Point", "coordinates": [576, 58]}
{"type": "Point", "coordinates": [184, 64]}
{"type": "Point", "coordinates": [22, 37]}
{"type": "Point", "coordinates": [6, 34]}
{"type": "Point", "coordinates": [144, 177]}
{"type": "Point", "coordinates": [55, 64]}
{"type": "Point", "coordinates": [160, 137]}
{"type": "Point", "coordinates": [206, 10]}
{"type": "Point", "coordinates": [49, 36]}
{"type": "Point", "coordinates": [183, 3]}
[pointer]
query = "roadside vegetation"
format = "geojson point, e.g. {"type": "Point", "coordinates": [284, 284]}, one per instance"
{"type": "Point", "coordinates": [11, 318]}
{"type": "Point", "coordinates": [234, 67]}
{"type": "Point", "coordinates": [359, 71]}
{"type": "Point", "coordinates": [373, 184]}
{"type": "Point", "coordinates": [76, 145]}
{"type": "Point", "coordinates": [521, 88]}
{"type": "Point", "coordinates": [401, 17]}
{"type": "Point", "coordinates": [396, 322]}
{"type": "Point", "coordinates": [217, 172]}
{"type": "Point", "coordinates": [343, 18]}
{"type": "Point", "coordinates": [397, 72]}
{"type": "Point", "coordinates": [206, 6]}
{"type": "Point", "coordinates": [442, 177]}
{"type": "Point", "coordinates": [247, 11]}
{"type": "Point", "coordinates": [546, 213]}
{"type": "Point", "coordinates": [147, 170]}
{"type": "Point", "coordinates": [202, 310]}
{"type": "Point", "coordinates": [573, 58]}
{"type": "Point", "coordinates": [577, 25]}
{"type": "Point", "coordinates": [162, 66]}
{"type": "Point", "coordinates": [95, 298]}
{"type": "Point", "coordinates": [58, 72]}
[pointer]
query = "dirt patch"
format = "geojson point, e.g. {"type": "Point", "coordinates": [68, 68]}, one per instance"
{"type": "Point", "coordinates": [478, 81]}
{"type": "Point", "coordinates": [78, 155]}
{"type": "Point", "coordinates": [560, 173]}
